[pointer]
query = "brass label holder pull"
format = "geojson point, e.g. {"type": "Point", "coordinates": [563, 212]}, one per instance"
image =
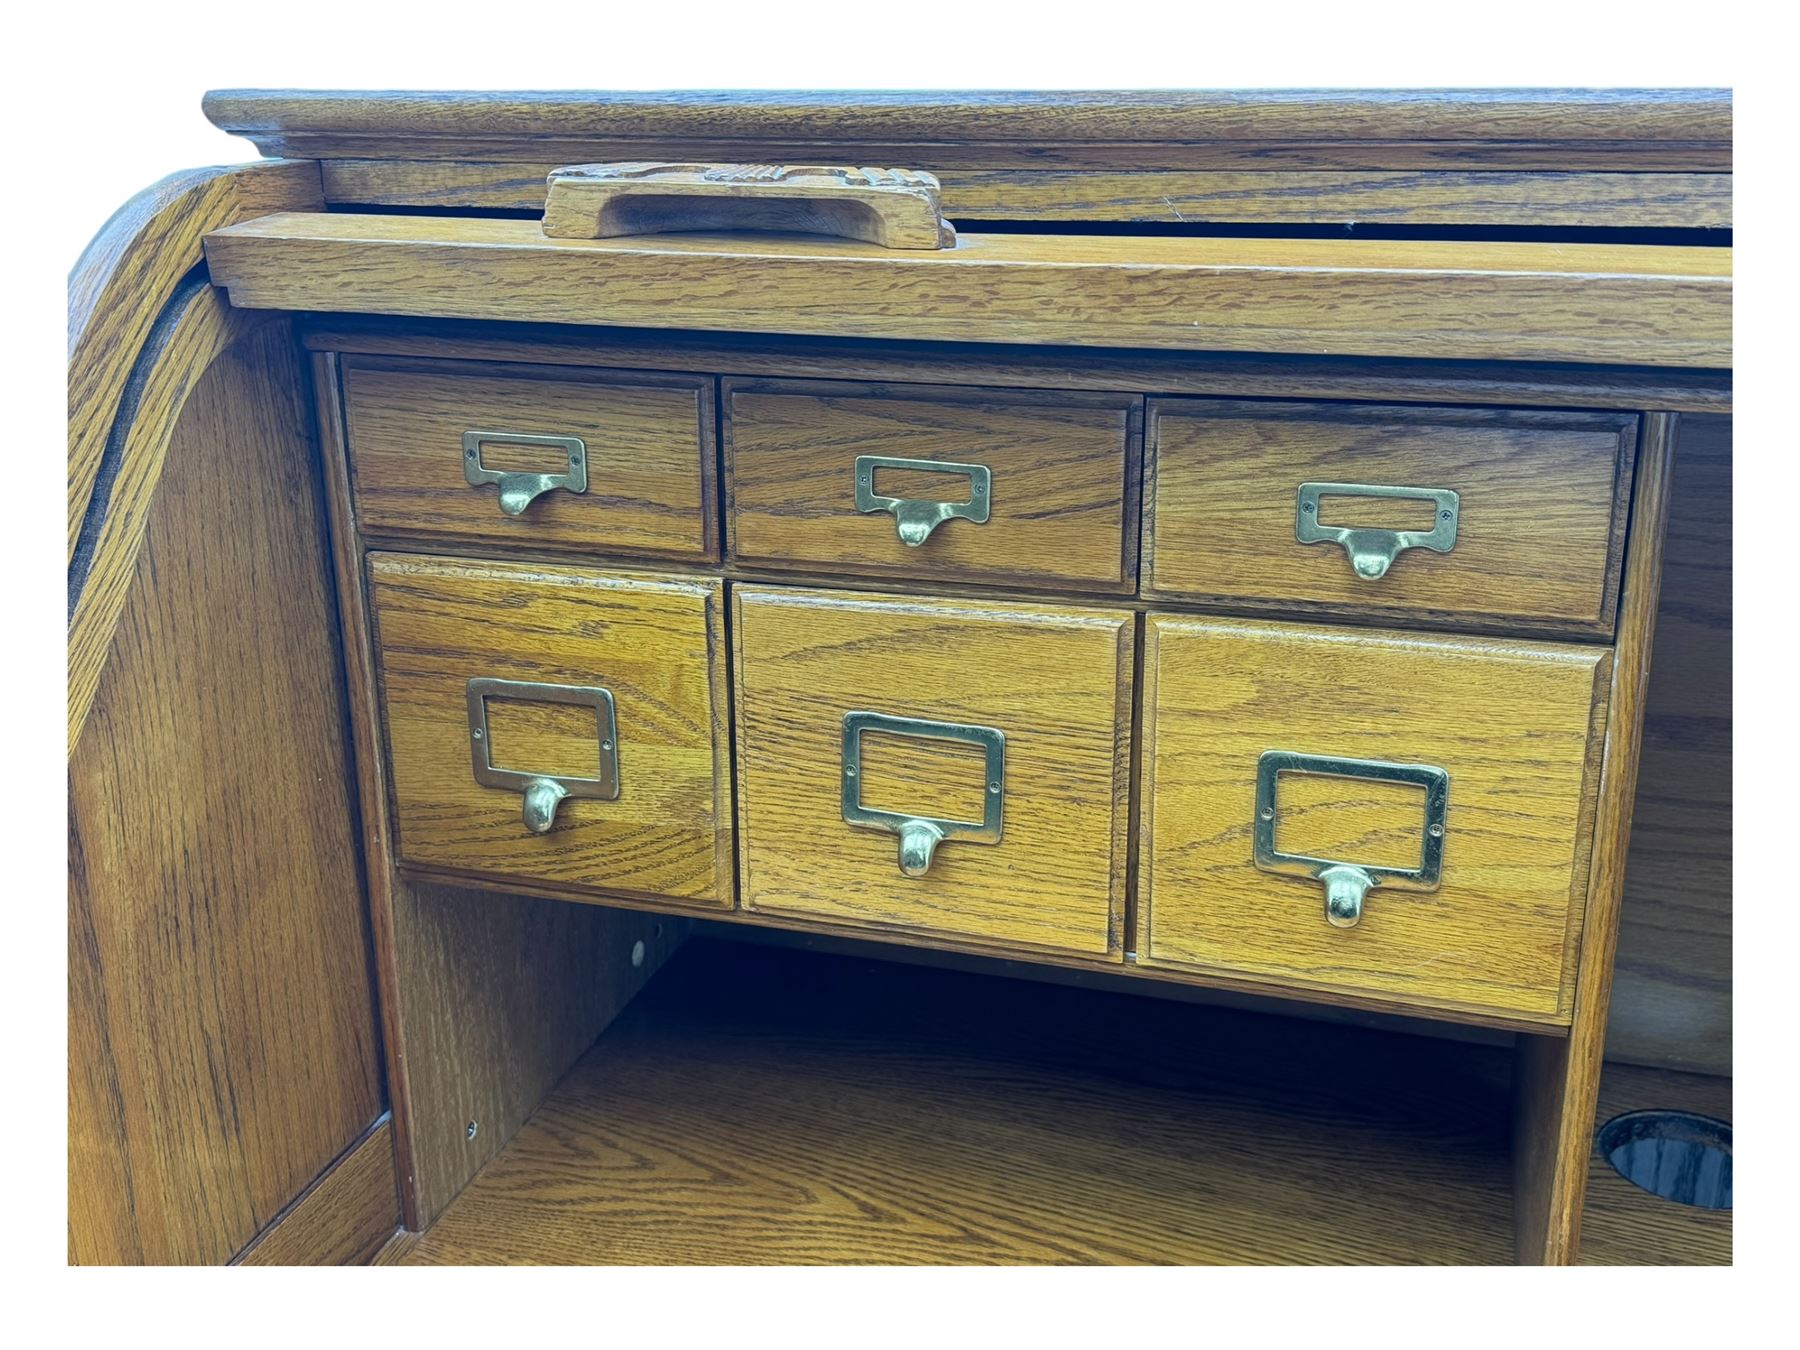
{"type": "Point", "coordinates": [891, 208]}
{"type": "Point", "coordinates": [1373, 551]}
{"type": "Point", "coordinates": [921, 835]}
{"type": "Point", "coordinates": [1346, 882]}
{"type": "Point", "coordinates": [520, 490]}
{"type": "Point", "coordinates": [916, 517]}
{"type": "Point", "coordinates": [544, 793]}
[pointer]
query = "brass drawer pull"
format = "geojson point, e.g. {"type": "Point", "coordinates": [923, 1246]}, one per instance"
{"type": "Point", "coordinates": [1372, 552]}
{"type": "Point", "coordinates": [544, 793]}
{"type": "Point", "coordinates": [917, 517]}
{"type": "Point", "coordinates": [920, 835]}
{"type": "Point", "coordinates": [520, 490]}
{"type": "Point", "coordinates": [1346, 883]}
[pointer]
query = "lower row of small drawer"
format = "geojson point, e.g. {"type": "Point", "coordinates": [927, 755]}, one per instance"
{"type": "Point", "coordinates": [966, 770]}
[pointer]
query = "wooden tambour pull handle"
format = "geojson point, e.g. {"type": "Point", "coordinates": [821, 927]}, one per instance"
{"type": "Point", "coordinates": [895, 208]}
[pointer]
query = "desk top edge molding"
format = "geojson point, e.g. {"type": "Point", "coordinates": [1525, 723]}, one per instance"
{"type": "Point", "coordinates": [1695, 122]}
{"type": "Point", "coordinates": [1558, 158]}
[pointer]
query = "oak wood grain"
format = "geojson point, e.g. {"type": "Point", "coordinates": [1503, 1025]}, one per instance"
{"type": "Point", "coordinates": [1087, 1128]}
{"type": "Point", "coordinates": [1633, 304]}
{"type": "Point", "coordinates": [1220, 374]}
{"type": "Point", "coordinates": [394, 1251]}
{"type": "Point", "coordinates": [1671, 998]}
{"type": "Point", "coordinates": [1070, 156]}
{"type": "Point", "coordinates": [486, 997]}
{"type": "Point", "coordinates": [1435, 196]}
{"type": "Point", "coordinates": [196, 330]}
{"type": "Point", "coordinates": [1055, 681]}
{"type": "Point", "coordinates": [222, 1039]}
{"type": "Point", "coordinates": [344, 1217]}
{"type": "Point", "coordinates": [658, 646]}
{"type": "Point", "coordinates": [650, 455]}
{"type": "Point", "coordinates": [760, 1107]}
{"type": "Point", "coordinates": [1509, 722]}
{"type": "Point", "coordinates": [1622, 129]}
{"type": "Point", "coordinates": [129, 272]}
{"type": "Point", "coordinates": [1540, 529]}
{"type": "Point", "coordinates": [519, 944]}
{"type": "Point", "coordinates": [1557, 1081]}
{"type": "Point", "coordinates": [1063, 498]}
{"type": "Point", "coordinates": [499, 994]}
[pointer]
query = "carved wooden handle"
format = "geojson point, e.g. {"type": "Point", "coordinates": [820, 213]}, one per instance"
{"type": "Point", "coordinates": [895, 208]}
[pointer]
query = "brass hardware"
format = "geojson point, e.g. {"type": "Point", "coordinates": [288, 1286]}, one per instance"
{"type": "Point", "coordinates": [920, 835]}
{"type": "Point", "coordinates": [544, 793]}
{"type": "Point", "coordinates": [542, 797]}
{"type": "Point", "coordinates": [917, 517]}
{"type": "Point", "coordinates": [1346, 883]}
{"type": "Point", "coordinates": [1345, 888]}
{"type": "Point", "coordinates": [918, 846]}
{"type": "Point", "coordinates": [1372, 552]}
{"type": "Point", "coordinates": [520, 490]}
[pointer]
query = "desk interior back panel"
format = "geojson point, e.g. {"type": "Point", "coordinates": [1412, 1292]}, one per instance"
{"type": "Point", "coordinates": [1671, 1000]}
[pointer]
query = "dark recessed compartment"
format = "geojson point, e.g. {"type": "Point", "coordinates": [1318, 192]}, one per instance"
{"type": "Point", "coordinates": [1677, 1155]}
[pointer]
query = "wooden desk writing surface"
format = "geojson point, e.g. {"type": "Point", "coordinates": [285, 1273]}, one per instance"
{"type": "Point", "coordinates": [1213, 412]}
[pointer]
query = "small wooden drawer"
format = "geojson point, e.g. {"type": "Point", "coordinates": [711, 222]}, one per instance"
{"type": "Point", "coordinates": [505, 686]}
{"type": "Point", "coordinates": [860, 721]}
{"type": "Point", "coordinates": [1531, 507]}
{"type": "Point", "coordinates": [621, 461]}
{"type": "Point", "coordinates": [1369, 755]}
{"type": "Point", "coordinates": [1018, 487]}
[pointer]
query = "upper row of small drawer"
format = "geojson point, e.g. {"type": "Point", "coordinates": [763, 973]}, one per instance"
{"type": "Point", "coordinates": [1502, 516]}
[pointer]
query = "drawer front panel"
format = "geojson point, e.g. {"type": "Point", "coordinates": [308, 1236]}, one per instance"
{"type": "Point", "coordinates": [1395, 756]}
{"type": "Point", "coordinates": [497, 679]}
{"type": "Point", "coordinates": [1008, 725]}
{"type": "Point", "coordinates": [638, 444]}
{"type": "Point", "coordinates": [1536, 504]}
{"type": "Point", "coordinates": [1042, 485]}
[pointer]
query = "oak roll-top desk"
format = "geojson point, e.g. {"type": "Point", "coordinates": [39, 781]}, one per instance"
{"type": "Point", "coordinates": [1208, 545]}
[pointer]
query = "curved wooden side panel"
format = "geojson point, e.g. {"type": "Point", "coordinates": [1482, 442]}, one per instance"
{"type": "Point", "coordinates": [196, 328]}
{"type": "Point", "coordinates": [223, 1047]}
{"type": "Point", "coordinates": [125, 277]}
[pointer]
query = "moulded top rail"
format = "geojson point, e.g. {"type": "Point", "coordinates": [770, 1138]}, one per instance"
{"type": "Point", "coordinates": [1593, 303]}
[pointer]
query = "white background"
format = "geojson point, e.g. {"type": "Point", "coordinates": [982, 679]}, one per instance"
{"type": "Point", "coordinates": [103, 100]}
